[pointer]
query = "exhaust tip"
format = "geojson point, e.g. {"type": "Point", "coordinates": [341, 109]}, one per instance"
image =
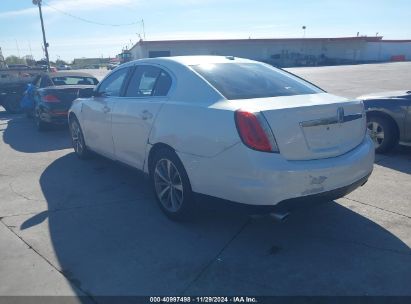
{"type": "Point", "coordinates": [280, 216]}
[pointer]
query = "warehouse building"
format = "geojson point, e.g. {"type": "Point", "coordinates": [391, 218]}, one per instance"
{"type": "Point", "coordinates": [85, 63]}
{"type": "Point", "coordinates": [284, 52]}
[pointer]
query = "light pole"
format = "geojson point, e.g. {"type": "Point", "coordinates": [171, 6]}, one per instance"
{"type": "Point", "coordinates": [38, 3]}
{"type": "Point", "coordinates": [304, 28]}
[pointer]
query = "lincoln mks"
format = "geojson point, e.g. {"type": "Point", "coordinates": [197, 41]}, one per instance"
{"type": "Point", "coordinates": [230, 128]}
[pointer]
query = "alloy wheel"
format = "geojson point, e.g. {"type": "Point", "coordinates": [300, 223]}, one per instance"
{"type": "Point", "coordinates": [37, 120]}
{"type": "Point", "coordinates": [76, 137]}
{"type": "Point", "coordinates": [168, 185]}
{"type": "Point", "coordinates": [376, 132]}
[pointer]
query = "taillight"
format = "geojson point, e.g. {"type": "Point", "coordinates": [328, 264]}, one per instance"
{"type": "Point", "coordinates": [50, 98]}
{"type": "Point", "coordinates": [255, 132]}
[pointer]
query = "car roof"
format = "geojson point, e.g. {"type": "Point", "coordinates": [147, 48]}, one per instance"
{"type": "Point", "coordinates": [69, 73]}
{"type": "Point", "coordinates": [192, 60]}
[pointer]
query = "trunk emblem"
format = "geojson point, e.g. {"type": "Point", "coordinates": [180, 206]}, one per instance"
{"type": "Point", "coordinates": [340, 118]}
{"type": "Point", "coordinates": [340, 115]}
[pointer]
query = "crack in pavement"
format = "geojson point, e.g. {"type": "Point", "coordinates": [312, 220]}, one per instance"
{"type": "Point", "coordinates": [23, 196]}
{"type": "Point", "coordinates": [73, 282]}
{"type": "Point", "coordinates": [211, 262]}
{"type": "Point", "coordinates": [379, 208]}
{"type": "Point", "coordinates": [73, 208]}
{"type": "Point", "coordinates": [360, 244]}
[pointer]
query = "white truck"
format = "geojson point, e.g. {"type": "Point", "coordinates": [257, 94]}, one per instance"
{"type": "Point", "coordinates": [13, 82]}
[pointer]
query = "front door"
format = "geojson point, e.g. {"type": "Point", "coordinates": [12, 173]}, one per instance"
{"type": "Point", "coordinates": [97, 113]}
{"type": "Point", "coordinates": [134, 115]}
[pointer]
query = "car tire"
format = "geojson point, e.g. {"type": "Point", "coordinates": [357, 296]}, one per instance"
{"type": "Point", "coordinates": [29, 114]}
{"type": "Point", "coordinates": [40, 124]}
{"type": "Point", "coordinates": [77, 139]}
{"type": "Point", "coordinates": [12, 104]}
{"type": "Point", "coordinates": [383, 133]}
{"type": "Point", "coordinates": [171, 185]}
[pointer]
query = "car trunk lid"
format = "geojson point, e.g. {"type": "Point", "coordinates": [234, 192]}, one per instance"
{"type": "Point", "coordinates": [66, 95]}
{"type": "Point", "coordinates": [312, 126]}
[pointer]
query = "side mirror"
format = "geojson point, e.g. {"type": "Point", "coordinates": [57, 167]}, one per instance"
{"type": "Point", "coordinates": [100, 94]}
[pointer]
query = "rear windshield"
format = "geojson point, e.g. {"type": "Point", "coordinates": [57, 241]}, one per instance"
{"type": "Point", "coordinates": [253, 80]}
{"type": "Point", "coordinates": [74, 80]}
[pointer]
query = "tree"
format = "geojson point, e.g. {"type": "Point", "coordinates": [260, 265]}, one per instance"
{"type": "Point", "coordinates": [29, 60]}
{"type": "Point", "coordinates": [60, 62]}
{"type": "Point", "coordinates": [14, 60]}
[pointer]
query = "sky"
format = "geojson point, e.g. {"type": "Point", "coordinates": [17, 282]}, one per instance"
{"type": "Point", "coordinates": [96, 28]}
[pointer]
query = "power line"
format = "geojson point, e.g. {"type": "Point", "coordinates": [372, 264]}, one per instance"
{"type": "Point", "coordinates": [87, 20]}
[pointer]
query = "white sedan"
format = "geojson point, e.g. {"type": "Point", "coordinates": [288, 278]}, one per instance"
{"type": "Point", "coordinates": [225, 127]}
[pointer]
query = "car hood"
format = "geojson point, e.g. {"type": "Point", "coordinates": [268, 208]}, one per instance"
{"type": "Point", "coordinates": [385, 95]}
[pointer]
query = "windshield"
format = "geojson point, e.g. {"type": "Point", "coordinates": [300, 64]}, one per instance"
{"type": "Point", "coordinates": [253, 80]}
{"type": "Point", "coordinates": [74, 80]}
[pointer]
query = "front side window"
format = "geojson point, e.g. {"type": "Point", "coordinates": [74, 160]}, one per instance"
{"type": "Point", "coordinates": [111, 86]}
{"type": "Point", "coordinates": [148, 81]}
{"type": "Point", "coordinates": [252, 80]}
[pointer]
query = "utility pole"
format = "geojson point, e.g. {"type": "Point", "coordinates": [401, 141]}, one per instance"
{"type": "Point", "coordinates": [38, 3]}
{"type": "Point", "coordinates": [18, 49]}
{"type": "Point", "coordinates": [144, 31]}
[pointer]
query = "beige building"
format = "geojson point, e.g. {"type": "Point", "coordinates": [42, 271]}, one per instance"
{"type": "Point", "coordinates": [282, 52]}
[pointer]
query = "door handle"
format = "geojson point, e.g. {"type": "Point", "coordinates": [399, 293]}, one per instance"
{"type": "Point", "coordinates": [106, 109]}
{"type": "Point", "coordinates": [146, 115]}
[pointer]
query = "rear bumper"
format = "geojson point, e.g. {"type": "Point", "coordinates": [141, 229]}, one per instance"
{"type": "Point", "coordinates": [250, 177]}
{"type": "Point", "coordinates": [327, 196]}
{"type": "Point", "coordinates": [285, 205]}
{"type": "Point", "coordinates": [54, 117]}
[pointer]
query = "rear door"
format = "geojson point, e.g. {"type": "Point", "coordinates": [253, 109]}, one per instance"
{"type": "Point", "coordinates": [97, 113]}
{"type": "Point", "coordinates": [133, 116]}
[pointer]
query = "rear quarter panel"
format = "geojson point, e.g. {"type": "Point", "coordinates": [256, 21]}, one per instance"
{"type": "Point", "coordinates": [195, 129]}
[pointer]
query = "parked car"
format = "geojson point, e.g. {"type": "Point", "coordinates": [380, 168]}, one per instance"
{"type": "Point", "coordinates": [63, 67]}
{"type": "Point", "coordinates": [55, 93]}
{"type": "Point", "coordinates": [19, 66]}
{"type": "Point", "coordinates": [225, 127]}
{"type": "Point", "coordinates": [388, 119]}
{"type": "Point", "coordinates": [112, 66]}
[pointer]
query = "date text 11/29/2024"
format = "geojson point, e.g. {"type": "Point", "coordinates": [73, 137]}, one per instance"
{"type": "Point", "coordinates": [203, 300]}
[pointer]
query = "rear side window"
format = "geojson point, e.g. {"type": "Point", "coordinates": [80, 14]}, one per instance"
{"type": "Point", "coordinates": [163, 84]}
{"type": "Point", "coordinates": [148, 81]}
{"type": "Point", "coordinates": [252, 80]}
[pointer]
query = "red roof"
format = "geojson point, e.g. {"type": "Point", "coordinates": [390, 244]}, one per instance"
{"type": "Point", "coordinates": [396, 41]}
{"type": "Point", "coordinates": [361, 38]}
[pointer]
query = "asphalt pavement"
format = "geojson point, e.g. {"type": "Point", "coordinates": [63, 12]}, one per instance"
{"type": "Point", "coordinates": [73, 227]}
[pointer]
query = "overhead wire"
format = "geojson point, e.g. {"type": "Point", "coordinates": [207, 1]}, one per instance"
{"type": "Point", "coordinates": [88, 20]}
